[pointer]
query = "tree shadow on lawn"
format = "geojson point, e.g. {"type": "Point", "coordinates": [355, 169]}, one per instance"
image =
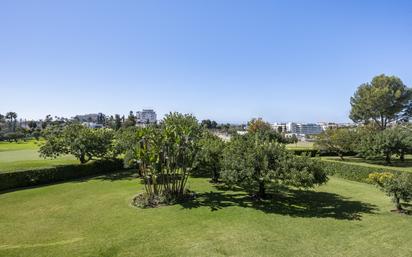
{"type": "Point", "coordinates": [291, 202]}
{"type": "Point", "coordinates": [129, 174]}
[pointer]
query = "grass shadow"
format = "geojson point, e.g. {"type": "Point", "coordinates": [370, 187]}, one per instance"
{"type": "Point", "coordinates": [291, 202]}
{"type": "Point", "coordinates": [129, 174]}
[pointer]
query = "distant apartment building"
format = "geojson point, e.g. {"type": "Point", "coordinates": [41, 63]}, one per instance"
{"type": "Point", "coordinates": [298, 128]}
{"type": "Point", "coordinates": [146, 116]}
{"type": "Point", "coordinates": [328, 125]}
{"type": "Point", "coordinates": [279, 127]}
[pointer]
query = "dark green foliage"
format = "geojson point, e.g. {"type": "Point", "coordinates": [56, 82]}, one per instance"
{"type": "Point", "coordinates": [209, 124]}
{"type": "Point", "coordinates": [350, 171]}
{"type": "Point", "coordinates": [385, 99]}
{"type": "Point", "coordinates": [59, 173]}
{"type": "Point", "coordinates": [382, 144]}
{"type": "Point", "coordinates": [130, 121]}
{"type": "Point", "coordinates": [253, 164]}
{"type": "Point", "coordinates": [396, 185]}
{"type": "Point", "coordinates": [305, 152]}
{"type": "Point", "coordinates": [209, 156]}
{"type": "Point", "coordinates": [164, 154]}
{"type": "Point", "coordinates": [340, 141]}
{"type": "Point", "coordinates": [13, 136]}
{"type": "Point", "coordinates": [75, 139]}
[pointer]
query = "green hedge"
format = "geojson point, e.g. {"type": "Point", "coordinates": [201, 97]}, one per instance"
{"type": "Point", "coordinates": [316, 152]}
{"type": "Point", "coordinates": [58, 173]}
{"type": "Point", "coordinates": [306, 152]}
{"type": "Point", "coordinates": [350, 171]}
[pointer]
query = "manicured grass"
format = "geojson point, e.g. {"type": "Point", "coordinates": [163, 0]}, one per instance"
{"type": "Point", "coordinates": [396, 165]}
{"type": "Point", "coordinates": [94, 218]}
{"type": "Point", "coordinates": [24, 156]}
{"type": "Point", "coordinates": [21, 145]}
{"type": "Point", "coordinates": [300, 146]}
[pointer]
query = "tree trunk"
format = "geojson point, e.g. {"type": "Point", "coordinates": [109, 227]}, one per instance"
{"type": "Point", "coordinates": [262, 190]}
{"type": "Point", "coordinates": [388, 158]}
{"type": "Point", "coordinates": [402, 156]}
{"type": "Point", "coordinates": [215, 176]}
{"type": "Point", "coordinates": [398, 204]}
{"type": "Point", "coordinates": [82, 159]}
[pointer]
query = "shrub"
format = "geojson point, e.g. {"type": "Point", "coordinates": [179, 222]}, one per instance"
{"type": "Point", "coordinates": [396, 185]}
{"type": "Point", "coordinates": [350, 171]}
{"type": "Point", "coordinates": [59, 173]}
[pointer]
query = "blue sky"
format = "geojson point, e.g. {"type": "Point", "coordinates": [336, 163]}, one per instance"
{"type": "Point", "coordinates": [227, 60]}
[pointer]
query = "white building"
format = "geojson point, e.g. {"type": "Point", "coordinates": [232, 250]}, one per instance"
{"type": "Point", "coordinates": [146, 116]}
{"type": "Point", "coordinates": [279, 127]}
{"type": "Point", "coordinates": [92, 125]}
{"type": "Point", "coordinates": [298, 128]}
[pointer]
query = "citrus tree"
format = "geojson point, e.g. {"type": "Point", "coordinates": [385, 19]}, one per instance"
{"type": "Point", "coordinates": [396, 185]}
{"type": "Point", "coordinates": [253, 164]}
{"type": "Point", "coordinates": [82, 142]}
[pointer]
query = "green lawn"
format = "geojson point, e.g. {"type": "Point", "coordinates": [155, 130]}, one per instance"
{"type": "Point", "coordinates": [24, 155]}
{"type": "Point", "coordinates": [21, 145]}
{"type": "Point", "coordinates": [395, 165]}
{"type": "Point", "coordinates": [93, 217]}
{"type": "Point", "coordinates": [300, 146]}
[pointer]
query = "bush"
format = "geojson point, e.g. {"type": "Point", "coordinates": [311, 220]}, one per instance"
{"type": "Point", "coordinates": [398, 186]}
{"type": "Point", "coordinates": [350, 171]}
{"type": "Point", "coordinates": [305, 152]}
{"type": "Point", "coordinates": [59, 173]}
{"type": "Point", "coordinates": [316, 152]}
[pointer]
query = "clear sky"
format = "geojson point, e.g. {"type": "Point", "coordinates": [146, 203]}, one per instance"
{"type": "Point", "coordinates": [228, 60]}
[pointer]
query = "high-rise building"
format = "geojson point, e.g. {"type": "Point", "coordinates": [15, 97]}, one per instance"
{"type": "Point", "coordinates": [146, 116]}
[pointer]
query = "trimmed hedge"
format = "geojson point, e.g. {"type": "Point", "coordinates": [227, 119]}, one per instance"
{"type": "Point", "coordinates": [306, 152]}
{"type": "Point", "coordinates": [350, 171]}
{"type": "Point", "coordinates": [59, 173]}
{"type": "Point", "coordinates": [316, 152]}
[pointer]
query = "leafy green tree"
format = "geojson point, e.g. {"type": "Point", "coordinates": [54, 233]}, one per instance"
{"type": "Point", "coordinates": [209, 124]}
{"type": "Point", "coordinates": [258, 126]}
{"type": "Point", "coordinates": [384, 144]}
{"type": "Point", "coordinates": [117, 122]}
{"type": "Point", "coordinates": [32, 125]}
{"type": "Point", "coordinates": [337, 140]}
{"type": "Point", "coordinates": [398, 186]}
{"type": "Point", "coordinates": [36, 134]}
{"type": "Point", "coordinates": [13, 136]}
{"type": "Point", "coordinates": [252, 164]}
{"type": "Point", "coordinates": [165, 155]}
{"type": "Point", "coordinates": [47, 121]}
{"type": "Point", "coordinates": [264, 131]}
{"type": "Point", "coordinates": [130, 121]}
{"type": "Point", "coordinates": [75, 139]}
{"type": "Point", "coordinates": [210, 154]}
{"type": "Point", "coordinates": [382, 101]}
{"type": "Point", "coordinates": [12, 118]}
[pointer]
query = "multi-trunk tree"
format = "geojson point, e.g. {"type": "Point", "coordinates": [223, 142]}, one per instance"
{"type": "Point", "coordinates": [164, 155]}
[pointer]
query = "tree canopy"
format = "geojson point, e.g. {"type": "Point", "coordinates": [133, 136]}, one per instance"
{"type": "Point", "coordinates": [385, 99]}
{"type": "Point", "coordinates": [337, 140]}
{"type": "Point", "coordinates": [252, 163]}
{"type": "Point", "coordinates": [82, 142]}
